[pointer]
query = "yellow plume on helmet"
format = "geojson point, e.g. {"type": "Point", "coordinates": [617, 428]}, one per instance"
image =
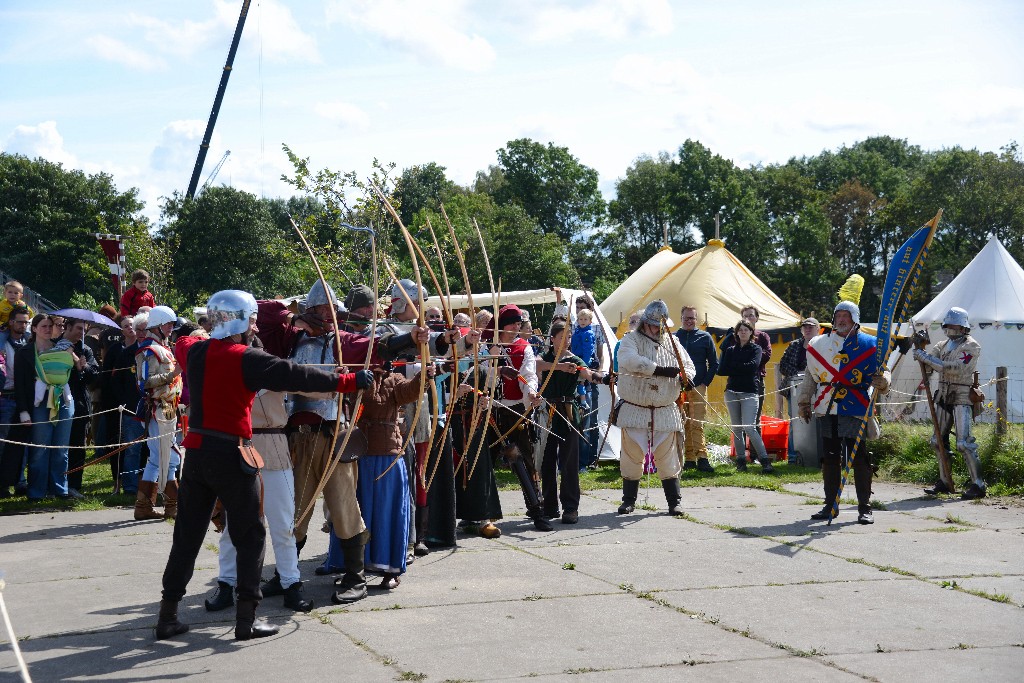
{"type": "Point", "coordinates": [851, 289]}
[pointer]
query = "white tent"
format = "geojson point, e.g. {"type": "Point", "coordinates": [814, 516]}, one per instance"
{"type": "Point", "coordinates": [991, 289]}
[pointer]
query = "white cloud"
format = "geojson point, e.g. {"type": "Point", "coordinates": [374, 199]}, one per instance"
{"type": "Point", "coordinates": [431, 31]}
{"type": "Point", "coordinates": [615, 19]}
{"type": "Point", "coordinates": [113, 50]}
{"type": "Point", "coordinates": [269, 27]}
{"type": "Point", "coordinates": [179, 146]}
{"type": "Point", "coordinates": [43, 140]}
{"type": "Point", "coordinates": [987, 105]}
{"type": "Point", "coordinates": [648, 74]}
{"type": "Point", "coordinates": [345, 114]}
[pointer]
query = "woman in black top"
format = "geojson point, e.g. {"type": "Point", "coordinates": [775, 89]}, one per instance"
{"type": "Point", "coordinates": [740, 363]}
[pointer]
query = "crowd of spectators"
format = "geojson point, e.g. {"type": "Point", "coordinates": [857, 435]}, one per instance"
{"type": "Point", "coordinates": [64, 381]}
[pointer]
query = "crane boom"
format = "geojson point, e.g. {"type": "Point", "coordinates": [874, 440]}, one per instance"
{"type": "Point", "coordinates": [204, 147]}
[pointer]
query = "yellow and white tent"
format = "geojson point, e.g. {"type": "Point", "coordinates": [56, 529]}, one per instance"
{"type": "Point", "coordinates": [710, 278]}
{"type": "Point", "coordinates": [719, 285]}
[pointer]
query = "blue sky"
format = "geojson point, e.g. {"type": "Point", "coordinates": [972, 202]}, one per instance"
{"type": "Point", "coordinates": [126, 87]}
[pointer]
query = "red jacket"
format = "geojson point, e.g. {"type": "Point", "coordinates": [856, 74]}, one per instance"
{"type": "Point", "coordinates": [132, 300]}
{"type": "Point", "coordinates": [224, 376]}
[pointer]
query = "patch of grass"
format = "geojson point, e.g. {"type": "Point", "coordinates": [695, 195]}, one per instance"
{"type": "Point", "coordinates": [947, 529]}
{"type": "Point", "coordinates": [648, 508]}
{"type": "Point", "coordinates": [411, 676]}
{"type": "Point", "coordinates": [569, 566]}
{"type": "Point", "coordinates": [962, 646]}
{"type": "Point", "coordinates": [581, 670]}
{"type": "Point", "coordinates": [893, 530]}
{"type": "Point", "coordinates": [534, 596]}
{"type": "Point", "coordinates": [904, 453]}
{"type": "Point", "coordinates": [749, 505]}
{"type": "Point", "coordinates": [688, 517]}
{"type": "Point", "coordinates": [97, 485]}
{"type": "Point", "coordinates": [213, 548]}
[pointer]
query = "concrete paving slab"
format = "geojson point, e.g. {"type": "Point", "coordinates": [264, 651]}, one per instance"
{"type": "Point", "coordinates": [883, 492]}
{"type": "Point", "coordinates": [205, 653]}
{"type": "Point", "coordinates": [793, 522]}
{"type": "Point", "coordinates": [987, 513]}
{"type": "Point", "coordinates": [738, 561]}
{"type": "Point", "coordinates": [934, 553]}
{"type": "Point", "coordinates": [979, 663]}
{"type": "Point", "coordinates": [704, 496]}
{"type": "Point", "coordinates": [789, 668]}
{"type": "Point", "coordinates": [465, 577]}
{"type": "Point", "coordinates": [543, 637]}
{"type": "Point", "coordinates": [843, 618]}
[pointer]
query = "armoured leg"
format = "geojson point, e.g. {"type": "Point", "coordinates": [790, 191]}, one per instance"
{"type": "Point", "coordinates": [966, 444]}
{"type": "Point", "coordinates": [945, 424]}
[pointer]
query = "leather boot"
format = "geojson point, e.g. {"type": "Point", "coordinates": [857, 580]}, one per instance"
{"type": "Point", "coordinates": [673, 495]}
{"type": "Point", "coordinates": [221, 598]}
{"type": "Point", "coordinates": [144, 501]}
{"type": "Point", "coordinates": [293, 599]}
{"type": "Point", "coordinates": [704, 465]}
{"type": "Point", "coordinates": [247, 626]}
{"type": "Point", "coordinates": [171, 499]}
{"type": "Point", "coordinates": [630, 489]}
{"type": "Point", "coordinates": [167, 625]}
{"type": "Point", "coordinates": [422, 516]}
{"type": "Point", "coordinates": [272, 586]}
{"type": "Point", "coordinates": [352, 585]}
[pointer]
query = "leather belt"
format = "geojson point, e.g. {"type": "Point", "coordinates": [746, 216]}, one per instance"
{"type": "Point", "coordinates": [234, 438]}
{"type": "Point", "coordinates": [268, 430]}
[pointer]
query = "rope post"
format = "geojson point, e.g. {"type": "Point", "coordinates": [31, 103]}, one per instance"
{"type": "Point", "coordinates": [1002, 405]}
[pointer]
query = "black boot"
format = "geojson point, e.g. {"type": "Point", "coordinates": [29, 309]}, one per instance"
{"type": "Point", "coordinates": [673, 495]}
{"type": "Point", "coordinates": [766, 466]}
{"type": "Point", "coordinates": [272, 586]}
{"type": "Point", "coordinates": [422, 516]}
{"type": "Point", "coordinates": [293, 598]}
{"type": "Point", "coordinates": [167, 625]}
{"type": "Point", "coordinates": [630, 489]}
{"type": "Point", "coordinates": [823, 513]}
{"type": "Point", "coordinates": [223, 596]}
{"type": "Point", "coordinates": [703, 465]}
{"type": "Point", "coordinates": [352, 585]}
{"type": "Point", "coordinates": [247, 626]}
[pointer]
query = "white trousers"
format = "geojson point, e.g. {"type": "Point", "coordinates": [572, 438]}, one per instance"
{"type": "Point", "coordinates": [279, 511]}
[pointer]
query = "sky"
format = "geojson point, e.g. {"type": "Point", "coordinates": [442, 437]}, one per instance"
{"type": "Point", "coordinates": [126, 88]}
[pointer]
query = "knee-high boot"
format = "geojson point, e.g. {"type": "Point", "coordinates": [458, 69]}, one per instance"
{"type": "Point", "coordinates": [630, 489]}
{"type": "Point", "coordinates": [422, 518]}
{"type": "Point", "coordinates": [673, 495]}
{"type": "Point", "coordinates": [352, 584]}
{"type": "Point", "coordinates": [145, 499]}
{"type": "Point", "coordinates": [171, 499]}
{"type": "Point", "coordinates": [534, 503]}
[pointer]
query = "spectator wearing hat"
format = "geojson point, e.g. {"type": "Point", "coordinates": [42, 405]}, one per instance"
{"type": "Point", "coordinates": [792, 368]}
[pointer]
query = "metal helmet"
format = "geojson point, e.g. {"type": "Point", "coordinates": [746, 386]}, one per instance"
{"type": "Point", "coordinates": [229, 311]}
{"type": "Point", "coordinates": [850, 308]}
{"type": "Point", "coordinates": [956, 316]}
{"type": "Point", "coordinates": [398, 302]}
{"type": "Point", "coordinates": [655, 312]}
{"type": "Point", "coordinates": [318, 297]}
{"type": "Point", "coordinates": [161, 315]}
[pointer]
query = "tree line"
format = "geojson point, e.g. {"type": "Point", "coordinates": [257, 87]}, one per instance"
{"type": "Point", "coordinates": [802, 226]}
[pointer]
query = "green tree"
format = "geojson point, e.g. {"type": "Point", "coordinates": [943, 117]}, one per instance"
{"type": "Point", "coordinates": [642, 207]}
{"type": "Point", "coordinates": [420, 187]}
{"type": "Point", "coordinates": [708, 184]}
{"type": "Point", "coordinates": [521, 254]}
{"type": "Point", "coordinates": [48, 216]}
{"type": "Point", "coordinates": [229, 239]}
{"type": "Point", "coordinates": [550, 184]}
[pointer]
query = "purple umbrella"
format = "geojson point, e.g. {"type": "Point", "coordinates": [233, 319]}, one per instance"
{"type": "Point", "coordinates": [86, 315]}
